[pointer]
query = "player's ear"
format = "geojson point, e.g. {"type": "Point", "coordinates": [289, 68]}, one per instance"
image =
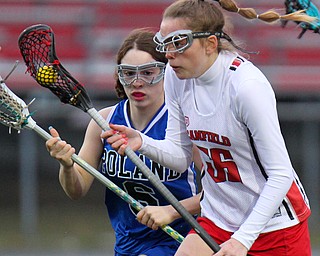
{"type": "Point", "coordinates": [211, 44]}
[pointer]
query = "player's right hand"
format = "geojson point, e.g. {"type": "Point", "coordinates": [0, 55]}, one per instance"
{"type": "Point", "coordinates": [120, 136]}
{"type": "Point", "coordinates": [60, 149]}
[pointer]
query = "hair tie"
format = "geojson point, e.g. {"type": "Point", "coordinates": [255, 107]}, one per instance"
{"type": "Point", "coordinates": [238, 10]}
{"type": "Point", "coordinates": [257, 16]}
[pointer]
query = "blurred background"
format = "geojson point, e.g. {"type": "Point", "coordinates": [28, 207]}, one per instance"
{"type": "Point", "coordinates": [36, 217]}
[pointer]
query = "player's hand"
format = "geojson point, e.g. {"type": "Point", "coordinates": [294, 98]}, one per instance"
{"type": "Point", "coordinates": [120, 136]}
{"type": "Point", "coordinates": [59, 149]}
{"type": "Point", "coordinates": [232, 247]}
{"type": "Point", "coordinates": [155, 216]}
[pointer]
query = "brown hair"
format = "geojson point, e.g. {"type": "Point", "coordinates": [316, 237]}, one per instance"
{"type": "Point", "coordinates": [140, 39]}
{"type": "Point", "coordinates": [203, 15]}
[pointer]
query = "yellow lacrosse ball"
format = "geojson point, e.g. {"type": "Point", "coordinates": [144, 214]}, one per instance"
{"type": "Point", "coordinates": [46, 75]}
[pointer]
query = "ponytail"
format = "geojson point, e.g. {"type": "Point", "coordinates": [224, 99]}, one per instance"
{"type": "Point", "coordinates": [268, 16]}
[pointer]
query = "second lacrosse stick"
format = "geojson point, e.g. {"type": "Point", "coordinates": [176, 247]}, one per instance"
{"type": "Point", "coordinates": [14, 113]}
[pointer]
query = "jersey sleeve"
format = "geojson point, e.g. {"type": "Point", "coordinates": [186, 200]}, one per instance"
{"type": "Point", "coordinates": [256, 108]}
{"type": "Point", "coordinates": [175, 151]}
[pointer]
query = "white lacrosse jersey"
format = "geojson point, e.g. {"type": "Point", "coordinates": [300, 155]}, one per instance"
{"type": "Point", "coordinates": [229, 112]}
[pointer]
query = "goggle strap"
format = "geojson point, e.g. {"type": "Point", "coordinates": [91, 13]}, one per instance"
{"type": "Point", "coordinates": [228, 38]}
{"type": "Point", "coordinates": [201, 34]}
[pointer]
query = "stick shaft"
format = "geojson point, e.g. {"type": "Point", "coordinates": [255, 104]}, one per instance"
{"type": "Point", "coordinates": [154, 180]}
{"type": "Point", "coordinates": [109, 184]}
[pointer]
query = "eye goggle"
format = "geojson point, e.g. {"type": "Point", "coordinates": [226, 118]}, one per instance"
{"type": "Point", "coordinates": [150, 73]}
{"type": "Point", "coordinates": [177, 41]}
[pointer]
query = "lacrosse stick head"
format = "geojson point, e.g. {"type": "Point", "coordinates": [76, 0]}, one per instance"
{"type": "Point", "coordinates": [14, 112]}
{"type": "Point", "coordinates": [309, 8]}
{"type": "Point", "coordinates": [37, 47]}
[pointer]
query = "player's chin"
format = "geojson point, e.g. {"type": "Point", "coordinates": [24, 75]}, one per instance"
{"type": "Point", "coordinates": [182, 74]}
{"type": "Point", "coordinates": [140, 103]}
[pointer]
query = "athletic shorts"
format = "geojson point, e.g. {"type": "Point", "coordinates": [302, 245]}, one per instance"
{"type": "Point", "coordinates": [290, 241]}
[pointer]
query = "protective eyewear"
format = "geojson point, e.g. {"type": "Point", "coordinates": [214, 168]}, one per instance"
{"type": "Point", "coordinates": [177, 41]}
{"type": "Point", "coordinates": [150, 73]}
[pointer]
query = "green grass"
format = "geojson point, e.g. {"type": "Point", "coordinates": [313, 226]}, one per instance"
{"type": "Point", "coordinates": [70, 227]}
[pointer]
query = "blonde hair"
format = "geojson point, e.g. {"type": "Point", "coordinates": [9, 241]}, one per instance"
{"type": "Point", "coordinates": [268, 16]}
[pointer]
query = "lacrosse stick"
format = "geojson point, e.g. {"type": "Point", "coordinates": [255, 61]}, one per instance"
{"type": "Point", "coordinates": [14, 113]}
{"type": "Point", "coordinates": [37, 47]}
{"type": "Point", "coordinates": [310, 9]}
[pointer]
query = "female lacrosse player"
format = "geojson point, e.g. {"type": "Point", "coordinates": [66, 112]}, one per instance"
{"type": "Point", "coordinates": [139, 83]}
{"type": "Point", "coordinates": [253, 202]}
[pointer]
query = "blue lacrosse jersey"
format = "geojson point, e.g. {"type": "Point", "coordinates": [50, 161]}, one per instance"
{"type": "Point", "coordinates": [133, 238]}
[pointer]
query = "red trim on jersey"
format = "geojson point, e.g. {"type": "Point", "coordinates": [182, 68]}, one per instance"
{"type": "Point", "coordinates": [235, 64]}
{"type": "Point", "coordinates": [294, 240]}
{"type": "Point", "coordinates": [298, 203]}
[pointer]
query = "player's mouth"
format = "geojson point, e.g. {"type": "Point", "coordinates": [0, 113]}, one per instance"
{"type": "Point", "coordinates": [175, 68]}
{"type": "Point", "coordinates": [138, 96]}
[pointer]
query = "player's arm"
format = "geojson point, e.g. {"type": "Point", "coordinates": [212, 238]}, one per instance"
{"type": "Point", "coordinates": [155, 216]}
{"type": "Point", "coordinates": [260, 115]}
{"type": "Point", "coordinates": [60, 150]}
{"type": "Point", "coordinates": [196, 158]}
{"type": "Point", "coordinates": [75, 181]}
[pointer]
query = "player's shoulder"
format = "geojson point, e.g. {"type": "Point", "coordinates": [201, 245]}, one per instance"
{"type": "Point", "coordinates": [105, 112]}
{"type": "Point", "coordinates": [244, 76]}
{"type": "Point", "coordinates": [237, 64]}
{"type": "Point", "coordinates": [241, 69]}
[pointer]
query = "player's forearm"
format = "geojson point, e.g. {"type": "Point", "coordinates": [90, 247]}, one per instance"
{"type": "Point", "coordinates": [173, 156]}
{"type": "Point", "coordinates": [267, 204]}
{"type": "Point", "coordinates": [192, 205]}
{"type": "Point", "coordinates": [70, 180]}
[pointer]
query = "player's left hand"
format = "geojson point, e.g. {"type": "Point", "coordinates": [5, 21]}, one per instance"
{"type": "Point", "coordinates": [232, 247]}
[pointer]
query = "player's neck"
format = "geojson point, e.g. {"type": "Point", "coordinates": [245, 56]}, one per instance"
{"type": "Point", "coordinates": [141, 116]}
